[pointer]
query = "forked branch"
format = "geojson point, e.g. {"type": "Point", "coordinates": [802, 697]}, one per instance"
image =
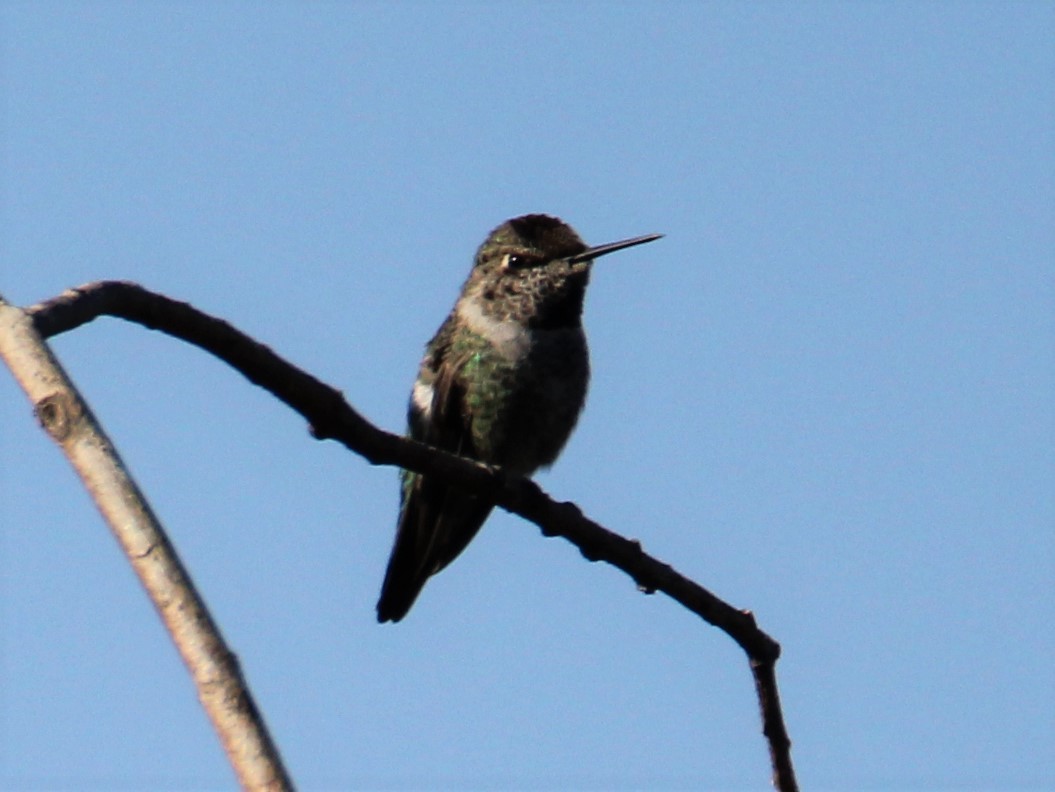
{"type": "Point", "coordinates": [330, 417]}
{"type": "Point", "coordinates": [215, 670]}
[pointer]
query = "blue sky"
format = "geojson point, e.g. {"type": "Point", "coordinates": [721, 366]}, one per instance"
{"type": "Point", "coordinates": [826, 394]}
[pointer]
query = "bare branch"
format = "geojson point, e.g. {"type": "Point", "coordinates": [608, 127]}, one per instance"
{"type": "Point", "coordinates": [221, 687]}
{"type": "Point", "coordinates": [331, 417]}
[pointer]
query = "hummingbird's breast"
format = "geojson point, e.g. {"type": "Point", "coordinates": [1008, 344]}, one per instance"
{"type": "Point", "coordinates": [550, 397]}
{"type": "Point", "coordinates": [525, 388]}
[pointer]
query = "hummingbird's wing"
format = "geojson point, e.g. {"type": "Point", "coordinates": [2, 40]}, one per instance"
{"type": "Point", "coordinates": [436, 522]}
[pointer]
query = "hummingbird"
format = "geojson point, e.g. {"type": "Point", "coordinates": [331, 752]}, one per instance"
{"type": "Point", "coordinates": [503, 382]}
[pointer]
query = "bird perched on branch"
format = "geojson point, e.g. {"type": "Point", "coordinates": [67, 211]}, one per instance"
{"type": "Point", "coordinates": [503, 381]}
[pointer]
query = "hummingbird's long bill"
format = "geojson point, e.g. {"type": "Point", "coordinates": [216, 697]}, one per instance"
{"type": "Point", "coordinates": [612, 247]}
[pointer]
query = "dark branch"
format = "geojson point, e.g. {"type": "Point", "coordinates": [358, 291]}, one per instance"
{"type": "Point", "coordinates": [331, 417]}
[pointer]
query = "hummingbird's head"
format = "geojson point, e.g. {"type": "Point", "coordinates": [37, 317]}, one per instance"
{"type": "Point", "coordinates": [534, 269]}
{"type": "Point", "coordinates": [531, 239]}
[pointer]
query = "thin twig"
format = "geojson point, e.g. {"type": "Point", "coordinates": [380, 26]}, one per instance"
{"type": "Point", "coordinates": [330, 417]}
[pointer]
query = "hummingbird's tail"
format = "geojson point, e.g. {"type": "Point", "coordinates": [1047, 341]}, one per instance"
{"type": "Point", "coordinates": [400, 589]}
{"type": "Point", "coordinates": [435, 525]}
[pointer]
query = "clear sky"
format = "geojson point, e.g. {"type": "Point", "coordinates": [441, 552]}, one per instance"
{"type": "Point", "coordinates": [826, 394]}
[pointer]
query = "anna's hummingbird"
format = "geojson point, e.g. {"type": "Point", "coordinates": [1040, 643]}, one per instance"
{"type": "Point", "coordinates": [502, 381]}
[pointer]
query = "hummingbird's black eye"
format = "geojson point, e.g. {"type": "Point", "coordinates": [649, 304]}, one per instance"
{"type": "Point", "coordinates": [518, 261]}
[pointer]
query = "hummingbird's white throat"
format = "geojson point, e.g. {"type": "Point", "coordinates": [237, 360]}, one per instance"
{"type": "Point", "coordinates": [511, 339]}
